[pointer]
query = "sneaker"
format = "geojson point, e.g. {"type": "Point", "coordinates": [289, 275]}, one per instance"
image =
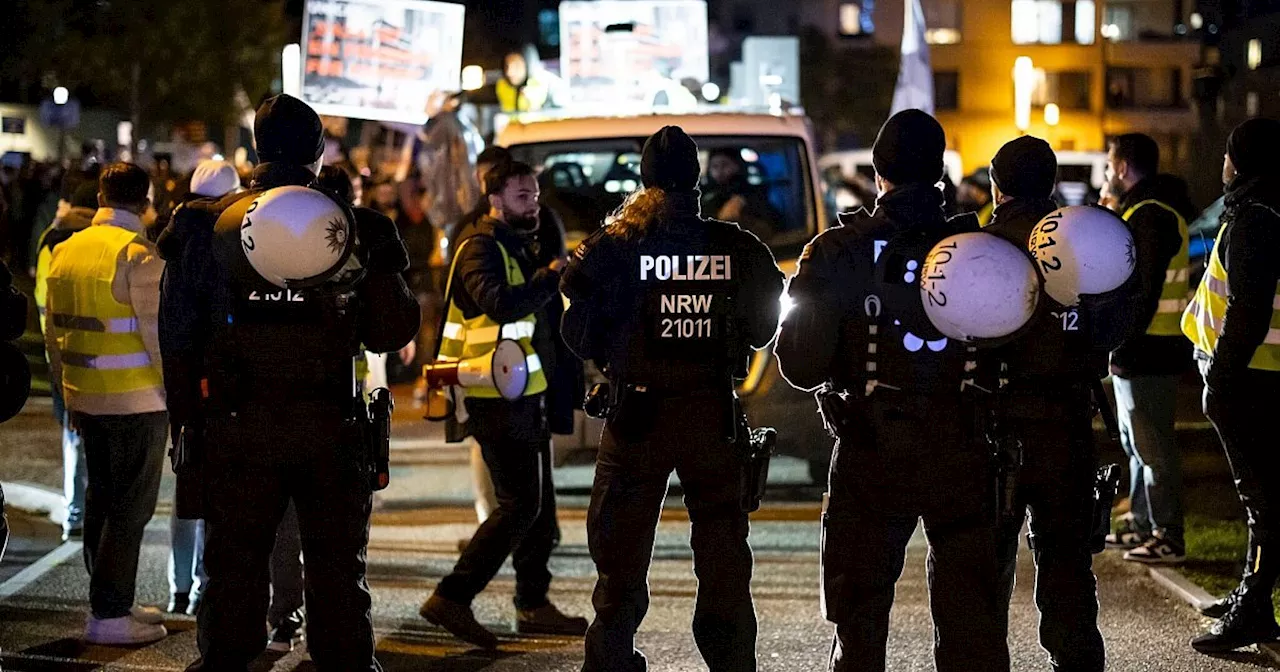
{"type": "Point", "coordinates": [458, 620]}
{"type": "Point", "coordinates": [286, 634]}
{"type": "Point", "coordinates": [548, 620]}
{"type": "Point", "coordinates": [194, 607]}
{"type": "Point", "coordinates": [1238, 629]}
{"type": "Point", "coordinates": [178, 604]}
{"type": "Point", "coordinates": [1157, 551]}
{"type": "Point", "coordinates": [148, 615]}
{"type": "Point", "coordinates": [1126, 535]}
{"type": "Point", "coordinates": [122, 631]}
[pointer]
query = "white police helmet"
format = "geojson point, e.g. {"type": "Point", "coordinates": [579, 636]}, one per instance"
{"type": "Point", "coordinates": [1082, 250]}
{"type": "Point", "coordinates": [978, 286]}
{"type": "Point", "coordinates": [297, 237]}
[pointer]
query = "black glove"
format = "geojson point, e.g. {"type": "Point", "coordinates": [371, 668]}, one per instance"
{"type": "Point", "coordinates": [381, 249]}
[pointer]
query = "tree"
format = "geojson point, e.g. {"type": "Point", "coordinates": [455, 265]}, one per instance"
{"type": "Point", "coordinates": [847, 90]}
{"type": "Point", "coordinates": [165, 60]}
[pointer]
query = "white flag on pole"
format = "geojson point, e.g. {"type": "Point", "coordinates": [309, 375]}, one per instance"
{"type": "Point", "coordinates": [915, 74]}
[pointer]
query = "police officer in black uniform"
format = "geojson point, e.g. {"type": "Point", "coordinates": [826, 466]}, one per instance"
{"type": "Point", "coordinates": [263, 394]}
{"type": "Point", "coordinates": [670, 305]}
{"type": "Point", "coordinates": [892, 395]}
{"type": "Point", "coordinates": [1041, 401]}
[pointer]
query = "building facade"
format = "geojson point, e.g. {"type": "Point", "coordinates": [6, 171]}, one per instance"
{"type": "Point", "coordinates": [1109, 66]}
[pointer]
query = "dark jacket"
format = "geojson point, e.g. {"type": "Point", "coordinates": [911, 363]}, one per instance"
{"type": "Point", "coordinates": [1157, 239]}
{"type": "Point", "coordinates": [823, 337]}
{"type": "Point", "coordinates": [1250, 252]}
{"type": "Point", "coordinates": [198, 295]}
{"type": "Point", "coordinates": [1045, 357]}
{"type": "Point", "coordinates": [480, 287]}
{"type": "Point", "coordinates": [609, 322]}
{"type": "Point", "coordinates": [565, 379]}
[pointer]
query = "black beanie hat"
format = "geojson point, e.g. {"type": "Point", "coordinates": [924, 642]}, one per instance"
{"type": "Point", "coordinates": [1253, 147]}
{"type": "Point", "coordinates": [909, 149]}
{"type": "Point", "coordinates": [1025, 167]}
{"type": "Point", "coordinates": [287, 130]}
{"type": "Point", "coordinates": [670, 161]}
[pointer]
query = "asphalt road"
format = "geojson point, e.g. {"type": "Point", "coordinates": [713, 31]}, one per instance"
{"type": "Point", "coordinates": [411, 550]}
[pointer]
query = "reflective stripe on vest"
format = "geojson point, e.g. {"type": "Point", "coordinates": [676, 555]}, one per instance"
{"type": "Point", "coordinates": [464, 338]}
{"type": "Point", "coordinates": [1173, 296]}
{"type": "Point", "coordinates": [1202, 322]}
{"type": "Point", "coordinates": [98, 337]}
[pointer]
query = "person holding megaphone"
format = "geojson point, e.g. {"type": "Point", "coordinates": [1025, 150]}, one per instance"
{"type": "Point", "coordinates": [495, 350]}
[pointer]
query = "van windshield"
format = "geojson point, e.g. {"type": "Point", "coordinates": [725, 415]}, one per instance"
{"type": "Point", "coordinates": [761, 183]}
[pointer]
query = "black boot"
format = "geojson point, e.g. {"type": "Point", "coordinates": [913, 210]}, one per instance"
{"type": "Point", "coordinates": [1244, 625]}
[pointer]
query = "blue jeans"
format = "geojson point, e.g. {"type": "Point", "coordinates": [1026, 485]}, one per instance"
{"type": "Point", "coordinates": [75, 468]}
{"type": "Point", "coordinates": [186, 558]}
{"type": "Point", "coordinates": [1145, 408]}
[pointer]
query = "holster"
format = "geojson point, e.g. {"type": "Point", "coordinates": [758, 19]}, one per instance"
{"type": "Point", "coordinates": [845, 417]}
{"type": "Point", "coordinates": [1104, 493]}
{"type": "Point", "coordinates": [187, 457]}
{"type": "Point", "coordinates": [377, 438]}
{"type": "Point", "coordinates": [757, 446]}
{"type": "Point", "coordinates": [1006, 452]}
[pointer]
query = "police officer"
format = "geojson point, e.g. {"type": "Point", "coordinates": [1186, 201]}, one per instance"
{"type": "Point", "coordinates": [891, 393]}
{"type": "Point", "coordinates": [1231, 321]}
{"type": "Point", "coordinates": [262, 389]}
{"type": "Point", "coordinates": [669, 305]}
{"type": "Point", "coordinates": [1044, 407]}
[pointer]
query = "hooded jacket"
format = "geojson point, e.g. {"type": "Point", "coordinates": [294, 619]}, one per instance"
{"type": "Point", "coordinates": [1157, 239]}
{"type": "Point", "coordinates": [1250, 252]}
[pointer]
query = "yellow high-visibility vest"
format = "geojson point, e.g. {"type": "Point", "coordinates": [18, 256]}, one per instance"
{"type": "Point", "coordinates": [464, 338]}
{"type": "Point", "coordinates": [984, 214]}
{"type": "Point", "coordinates": [1173, 296]}
{"type": "Point", "coordinates": [1203, 320]}
{"type": "Point", "coordinates": [99, 338]}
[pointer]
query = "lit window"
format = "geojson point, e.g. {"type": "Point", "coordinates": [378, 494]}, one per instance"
{"type": "Point", "coordinates": [1251, 104]}
{"type": "Point", "coordinates": [851, 18]}
{"type": "Point", "coordinates": [1084, 21]}
{"type": "Point", "coordinates": [1254, 54]}
{"type": "Point", "coordinates": [1037, 21]}
{"type": "Point", "coordinates": [942, 36]}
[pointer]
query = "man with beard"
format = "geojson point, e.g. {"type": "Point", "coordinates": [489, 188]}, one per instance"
{"type": "Point", "coordinates": [495, 288]}
{"type": "Point", "coordinates": [1147, 366]}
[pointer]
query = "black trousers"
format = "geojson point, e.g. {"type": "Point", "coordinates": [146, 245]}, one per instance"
{"type": "Point", "coordinates": [516, 446]}
{"type": "Point", "coordinates": [125, 455]}
{"type": "Point", "coordinates": [1244, 419]}
{"type": "Point", "coordinates": [1056, 484]}
{"type": "Point", "coordinates": [255, 466]}
{"type": "Point", "coordinates": [637, 455]}
{"type": "Point", "coordinates": [919, 459]}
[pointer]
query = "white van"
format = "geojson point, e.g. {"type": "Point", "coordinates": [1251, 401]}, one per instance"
{"type": "Point", "coordinates": [587, 166]}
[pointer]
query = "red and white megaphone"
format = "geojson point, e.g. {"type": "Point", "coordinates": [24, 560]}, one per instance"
{"type": "Point", "coordinates": [505, 370]}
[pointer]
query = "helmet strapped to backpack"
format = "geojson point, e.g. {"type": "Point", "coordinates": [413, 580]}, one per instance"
{"type": "Point", "coordinates": [1082, 250]}
{"type": "Point", "coordinates": [979, 287]}
{"type": "Point", "coordinates": [292, 237]}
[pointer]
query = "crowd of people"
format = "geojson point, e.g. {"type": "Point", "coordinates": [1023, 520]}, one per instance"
{"type": "Point", "coordinates": [146, 311]}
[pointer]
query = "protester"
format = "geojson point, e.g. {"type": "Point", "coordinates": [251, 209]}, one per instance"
{"type": "Point", "coordinates": [103, 300]}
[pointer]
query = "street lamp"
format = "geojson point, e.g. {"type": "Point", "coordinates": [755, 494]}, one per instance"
{"type": "Point", "coordinates": [472, 78]}
{"type": "Point", "coordinates": [291, 70]}
{"type": "Point", "coordinates": [1052, 114]}
{"type": "Point", "coordinates": [61, 95]}
{"type": "Point", "coordinates": [1024, 82]}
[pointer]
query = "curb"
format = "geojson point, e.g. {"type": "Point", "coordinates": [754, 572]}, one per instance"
{"type": "Point", "coordinates": [35, 499]}
{"type": "Point", "coordinates": [1179, 586]}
